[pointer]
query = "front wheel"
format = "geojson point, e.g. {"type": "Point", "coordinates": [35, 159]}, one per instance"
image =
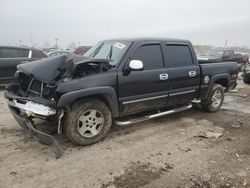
{"type": "Point", "coordinates": [215, 99]}
{"type": "Point", "coordinates": [88, 122]}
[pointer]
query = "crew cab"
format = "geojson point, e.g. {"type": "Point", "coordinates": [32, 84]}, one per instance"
{"type": "Point", "coordinates": [120, 82]}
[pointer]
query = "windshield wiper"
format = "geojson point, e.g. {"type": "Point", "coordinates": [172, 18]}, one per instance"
{"type": "Point", "coordinates": [110, 52]}
{"type": "Point", "coordinates": [97, 50]}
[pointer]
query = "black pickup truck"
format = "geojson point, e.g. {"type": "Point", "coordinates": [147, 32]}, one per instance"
{"type": "Point", "coordinates": [112, 82]}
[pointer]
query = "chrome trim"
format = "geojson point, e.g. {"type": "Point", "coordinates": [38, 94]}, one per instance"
{"type": "Point", "coordinates": [183, 92]}
{"type": "Point", "coordinates": [192, 73]}
{"type": "Point", "coordinates": [33, 108]}
{"type": "Point", "coordinates": [30, 54]}
{"type": "Point", "coordinates": [196, 101]}
{"type": "Point", "coordinates": [163, 76]}
{"type": "Point", "coordinates": [147, 117]}
{"type": "Point", "coordinates": [59, 127]}
{"type": "Point", "coordinates": [145, 99]}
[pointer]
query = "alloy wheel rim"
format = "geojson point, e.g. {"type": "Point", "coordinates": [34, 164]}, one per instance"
{"type": "Point", "coordinates": [216, 98]}
{"type": "Point", "coordinates": [90, 123]}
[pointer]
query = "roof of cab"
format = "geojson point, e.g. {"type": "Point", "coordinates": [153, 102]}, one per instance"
{"type": "Point", "coordinates": [143, 39]}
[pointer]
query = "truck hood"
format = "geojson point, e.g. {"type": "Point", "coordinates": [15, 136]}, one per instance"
{"type": "Point", "coordinates": [50, 69]}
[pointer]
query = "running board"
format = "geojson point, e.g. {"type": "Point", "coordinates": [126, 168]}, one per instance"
{"type": "Point", "coordinates": [152, 116]}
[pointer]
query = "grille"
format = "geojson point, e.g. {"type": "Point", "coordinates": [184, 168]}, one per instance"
{"type": "Point", "coordinates": [29, 85]}
{"type": "Point", "coordinates": [35, 88]}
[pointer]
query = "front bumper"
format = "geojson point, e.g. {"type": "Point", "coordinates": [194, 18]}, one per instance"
{"type": "Point", "coordinates": [25, 122]}
{"type": "Point", "coordinates": [23, 109]}
{"type": "Point", "coordinates": [32, 108]}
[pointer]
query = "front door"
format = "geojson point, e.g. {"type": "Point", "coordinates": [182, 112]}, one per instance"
{"type": "Point", "coordinates": [144, 89]}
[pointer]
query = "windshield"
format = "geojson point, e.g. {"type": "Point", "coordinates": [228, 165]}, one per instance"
{"type": "Point", "coordinates": [113, 50]}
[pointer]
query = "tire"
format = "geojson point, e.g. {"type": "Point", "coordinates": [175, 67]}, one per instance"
{"type": "Point", "coordinates": [242, 67]}
{"type": "Point", "coordinates": [215, 99]}
{"type": "Point", "coordinates": [88, 122]}
{"type": "Point", "coordinates": [246, 81]}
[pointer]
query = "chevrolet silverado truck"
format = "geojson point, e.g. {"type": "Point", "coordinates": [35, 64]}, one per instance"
{"type": "Point", "coordinates": [116, 82]}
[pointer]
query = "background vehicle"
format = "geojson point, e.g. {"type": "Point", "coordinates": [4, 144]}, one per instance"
{"type": "Point", "coordinates": [56, 53]}
{"type": "Point", "coordinates": [243, 56]}
{"type": "Point", "coordinates": [114, 80]}
{"type": "Point", "coordinates": [246, 73]}
{"type": "Point", "coordinates": [222, 54]}
{"type": "Point", "coordinates": [81, 50]}
{"type": "Point", "coordinates": [10, 57]}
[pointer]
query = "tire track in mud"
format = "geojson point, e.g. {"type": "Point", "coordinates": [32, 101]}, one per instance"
{"type": "Point", "coordinates": [138, 174]}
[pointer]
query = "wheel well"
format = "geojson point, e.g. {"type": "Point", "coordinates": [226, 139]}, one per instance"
{"type": "Point", "coordinates": [223, 82]}
{"type": "Point", "coordinates": [105, 99]}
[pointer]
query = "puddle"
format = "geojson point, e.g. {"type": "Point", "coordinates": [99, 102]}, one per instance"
{"type": "Point", "coordinates": [230, 103]}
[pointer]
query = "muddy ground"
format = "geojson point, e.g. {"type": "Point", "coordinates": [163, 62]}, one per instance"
{"type": "Point", "coordinates": [172, 151]}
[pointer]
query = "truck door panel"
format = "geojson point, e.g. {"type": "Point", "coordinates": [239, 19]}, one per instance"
{"type": "Point", "coordinates": [145, 89]}
{"type": "Point", "coordinates": [184, 74]}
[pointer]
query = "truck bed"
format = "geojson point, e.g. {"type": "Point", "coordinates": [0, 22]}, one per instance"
{"type": "Point", "coordinates": [222, 70]}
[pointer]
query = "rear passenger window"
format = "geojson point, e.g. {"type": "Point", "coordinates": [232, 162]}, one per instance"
{"type": "Point", "coordinates": [178, 56]}
{"type": "Point", "coordinates": [150, 55]}
{"type": "Point", "coordinates": [13, 53]}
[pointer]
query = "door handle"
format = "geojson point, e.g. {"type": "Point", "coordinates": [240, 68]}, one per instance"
{"type": "Point", "coordinates": [192, 73]}
{"type": "Point", "coordinates": [163, 76]}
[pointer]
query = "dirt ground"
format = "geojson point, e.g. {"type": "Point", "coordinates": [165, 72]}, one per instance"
{"type": "Point", "coordinates": [172, 151]}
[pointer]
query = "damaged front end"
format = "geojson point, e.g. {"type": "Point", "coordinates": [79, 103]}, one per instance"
{"type": "Point", "coordinates": [35, 95]}
{"type": "Point", "coordinates": [27, 100]}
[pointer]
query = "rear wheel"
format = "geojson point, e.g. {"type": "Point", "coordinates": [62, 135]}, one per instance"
{"type": "Point", "coordinates": [88, 122]}
{"type": "Point", "coordinates": [215, 99]}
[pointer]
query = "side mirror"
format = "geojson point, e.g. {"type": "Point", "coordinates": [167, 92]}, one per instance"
{"type": "Point", "coordinates": [135, 65]}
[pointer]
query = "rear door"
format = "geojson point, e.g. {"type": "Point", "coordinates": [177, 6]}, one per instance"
{"type": "Point", "coordinates": [184, 74]}
{"type": "Point", "coordinates": [144, 89]}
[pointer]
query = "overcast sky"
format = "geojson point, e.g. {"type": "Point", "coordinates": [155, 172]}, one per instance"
{"type": "Point", "coordinates": [88, 21]}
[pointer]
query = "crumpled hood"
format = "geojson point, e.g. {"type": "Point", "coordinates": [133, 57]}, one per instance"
{"type": "Point", "coordinates": [49, 69]}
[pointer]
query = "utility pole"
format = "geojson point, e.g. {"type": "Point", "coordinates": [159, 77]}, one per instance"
{"type": "Point", "coordinates": [225, 44]}
{"type": "Point", "coordinates": [31, 40]}
{"type": "Point", "coordinates": [56, 39]}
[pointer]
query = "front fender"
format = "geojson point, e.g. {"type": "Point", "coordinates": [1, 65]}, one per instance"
{"type": "Point", "coordinates": [108, 93]}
